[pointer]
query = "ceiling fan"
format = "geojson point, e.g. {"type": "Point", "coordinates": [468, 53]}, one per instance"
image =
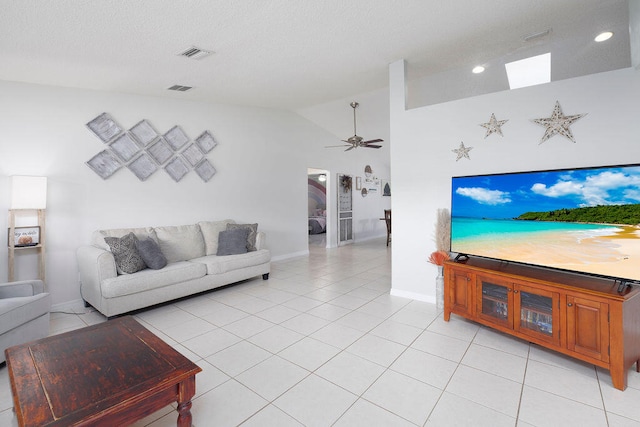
{"type": "Point", "coordinates": [357, 141]}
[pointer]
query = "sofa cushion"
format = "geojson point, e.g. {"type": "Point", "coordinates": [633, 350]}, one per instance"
{"type": "Point", "coordinates": [97, 238]}
{"type": "Point", "coordinates": [232, 242]}
{"type": "Point", "coordinates": [210, 231]}
{"type": "Point", "coordinates": [151, 254]}
{"type": "Point", "coordinates": [151, 279]}
{"type": "Point", "coordinates": [181, 242]}
{"type": "Point", "coordinates": [127, 257]}
{"type": "Point", "coordinates": [224, 264]}
{"type": "Point", "coordinates": [251, 237]}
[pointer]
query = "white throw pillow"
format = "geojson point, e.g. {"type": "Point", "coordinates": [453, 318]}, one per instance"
{"type": "Point", "coordinates": [210, 231]}
{"type": "Point", "coordinates": [180, 242]}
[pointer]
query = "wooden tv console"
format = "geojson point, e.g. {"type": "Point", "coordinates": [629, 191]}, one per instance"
{"type": "Point", "coordinates": [582, 316]}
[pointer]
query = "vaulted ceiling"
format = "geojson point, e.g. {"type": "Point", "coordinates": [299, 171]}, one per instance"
{"type": "Point", "coordinates": [297, 53]}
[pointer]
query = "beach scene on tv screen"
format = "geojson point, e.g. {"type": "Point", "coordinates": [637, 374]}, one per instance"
{"type": "Point", "coordinates": [586, 220]}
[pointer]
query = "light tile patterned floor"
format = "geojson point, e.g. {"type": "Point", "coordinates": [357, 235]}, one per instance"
{"type": "Point", "coordinates": [322, 343]}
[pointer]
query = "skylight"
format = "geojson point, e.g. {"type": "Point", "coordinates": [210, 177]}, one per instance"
{"type": "Point", "coordinates": [529, 71]}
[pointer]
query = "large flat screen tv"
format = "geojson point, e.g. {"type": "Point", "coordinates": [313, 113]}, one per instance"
{"type": "Point", "coordinates": [585, 220]}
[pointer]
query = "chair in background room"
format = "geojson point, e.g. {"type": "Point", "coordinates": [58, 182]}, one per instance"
{"type": "Point", "coordinates": [387, 220]}
{"type": "Point", "coordinates": [24, 313]}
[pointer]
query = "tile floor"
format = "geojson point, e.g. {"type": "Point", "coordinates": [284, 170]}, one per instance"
{"type": "Point", "coordinates": [322, 343]}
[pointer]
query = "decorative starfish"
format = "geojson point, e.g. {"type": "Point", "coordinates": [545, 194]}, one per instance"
{"type": "Point", "coordinates": [462, 151]}
{"type": "Point", "coordinates": [493, 126]}
{"type": "Point", "coordinates": [558, 123]}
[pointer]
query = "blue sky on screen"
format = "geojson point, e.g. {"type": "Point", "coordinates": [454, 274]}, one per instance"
{"type": "Point", "coordinates": [510, 195]}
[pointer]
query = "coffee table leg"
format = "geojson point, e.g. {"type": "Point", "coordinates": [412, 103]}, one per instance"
{"type": "Point", "coordinates": [186, 390]}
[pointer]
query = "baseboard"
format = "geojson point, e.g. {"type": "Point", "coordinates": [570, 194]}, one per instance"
{"type": "Point", "coordinates": [291, 255]}
{"type": "Point", "coordinates": [375, 237]}
{"type": "Point", "coordinates": [413, 295]}
{"type": "Point", "coordinates": [306, 252]}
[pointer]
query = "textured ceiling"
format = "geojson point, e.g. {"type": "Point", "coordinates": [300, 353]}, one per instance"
{"type": "Point", "coordinates": [295, 53]}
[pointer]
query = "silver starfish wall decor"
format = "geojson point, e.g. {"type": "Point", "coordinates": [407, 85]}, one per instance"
{"type": "Point", "coordinates": [493, 126]}
{"type": "Point", "coordinates": [558, 124]}
{"type": "Point", "coordinates": [462, 151]}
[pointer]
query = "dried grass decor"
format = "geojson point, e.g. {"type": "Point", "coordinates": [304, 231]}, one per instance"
{"type": "Point", "coordinates": [443, 230]}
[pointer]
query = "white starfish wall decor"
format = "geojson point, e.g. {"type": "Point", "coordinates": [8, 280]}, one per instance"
{"type": "Point", "coordinates": [558, 124]}
{"type": "Point", "coordinates": [493, 126]}
{"type": "Point", "coordinates": [462, 151]}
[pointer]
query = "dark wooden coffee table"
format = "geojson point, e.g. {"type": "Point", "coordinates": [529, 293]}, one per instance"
{"type": "Point", "coordinates": [113, 373]}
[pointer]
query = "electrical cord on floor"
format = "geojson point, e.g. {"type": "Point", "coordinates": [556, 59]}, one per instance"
{"type": "Point", "coordinates": [86, 310]}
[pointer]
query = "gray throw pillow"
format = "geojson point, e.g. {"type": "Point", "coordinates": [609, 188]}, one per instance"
{"type": "Point", "coordinates": [232, 242]}
{"type": "Point", "coordinates": [128, 260]}
{"type": "Point", "coordinates": [251, 238]}
{"type": "Point", "coordinates": [151, 254]}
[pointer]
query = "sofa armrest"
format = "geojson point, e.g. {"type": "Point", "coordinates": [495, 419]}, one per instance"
{"type": "Point", "coordinates": [23, 288]}
{"type": "Point", "coordinates": [261, 240]}
{"type": "Point", "coordinates": [95, 265]}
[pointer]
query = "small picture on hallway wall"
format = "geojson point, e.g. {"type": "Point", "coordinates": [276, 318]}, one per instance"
{"type": "Point", "coordinates": [386, 188]}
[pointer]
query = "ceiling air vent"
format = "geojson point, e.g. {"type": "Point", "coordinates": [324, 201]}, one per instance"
{"type": "Point", "coordinates": [536, 35]}
{"type": "Point", "coordinates": [180, 88]}
{"type": "Point", "coordinates": [195, 53]}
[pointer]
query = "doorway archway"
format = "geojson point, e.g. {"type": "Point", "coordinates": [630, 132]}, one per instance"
{"type": "Point", "coordinates": [319, 209]}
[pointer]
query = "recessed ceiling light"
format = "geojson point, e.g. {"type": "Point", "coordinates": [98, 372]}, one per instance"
{"type": "Point", "coordinates": [477, 69]}
{"type": "Point", "coordinates": [603, 36]}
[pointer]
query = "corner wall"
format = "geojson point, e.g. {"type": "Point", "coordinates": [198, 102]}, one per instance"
{"type": "Point", "coordinates": [423, 162]}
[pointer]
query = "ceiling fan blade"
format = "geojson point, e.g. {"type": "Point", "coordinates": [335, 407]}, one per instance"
{"type": "Point", "coordinates": [372, 146]}
{"type": "Point", "coordinates": [334, 146]}
{"type": "Point", "coordinates": [373, 140]}
{"type": "Point", "coordinates": [350, 148]}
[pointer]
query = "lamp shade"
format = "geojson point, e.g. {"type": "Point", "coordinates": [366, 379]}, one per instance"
{"type": "Point", "coordinates": [28, 192]}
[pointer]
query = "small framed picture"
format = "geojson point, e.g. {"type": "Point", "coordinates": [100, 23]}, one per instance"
{"type": "Point", "coordinates": [358, 183]}
{"type": "Point", "coordinates": [26, 236]}
{"type": "Point", "coordinates": [386, 187]}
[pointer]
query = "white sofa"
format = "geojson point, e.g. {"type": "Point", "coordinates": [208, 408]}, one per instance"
{"type": "Point", "coordinates": [192, 267]}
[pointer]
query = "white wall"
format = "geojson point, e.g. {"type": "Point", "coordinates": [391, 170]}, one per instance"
{"type": "Point", "coordinates": [261, 163]}
{"type": "Point", "coordinates": [423, 162]}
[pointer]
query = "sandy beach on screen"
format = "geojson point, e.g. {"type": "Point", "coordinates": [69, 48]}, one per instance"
{"type": "Point", "coordinates": [616, 255]}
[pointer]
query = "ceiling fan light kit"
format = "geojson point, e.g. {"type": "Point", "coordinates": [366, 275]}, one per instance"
{"type": "Point", "coordinates": [357, 141]}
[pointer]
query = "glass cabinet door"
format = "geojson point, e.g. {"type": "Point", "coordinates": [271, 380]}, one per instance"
{"type": "Point", "coordinates": [494, 301]}
{"type": "Point", "coordinates": [538, 313]}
